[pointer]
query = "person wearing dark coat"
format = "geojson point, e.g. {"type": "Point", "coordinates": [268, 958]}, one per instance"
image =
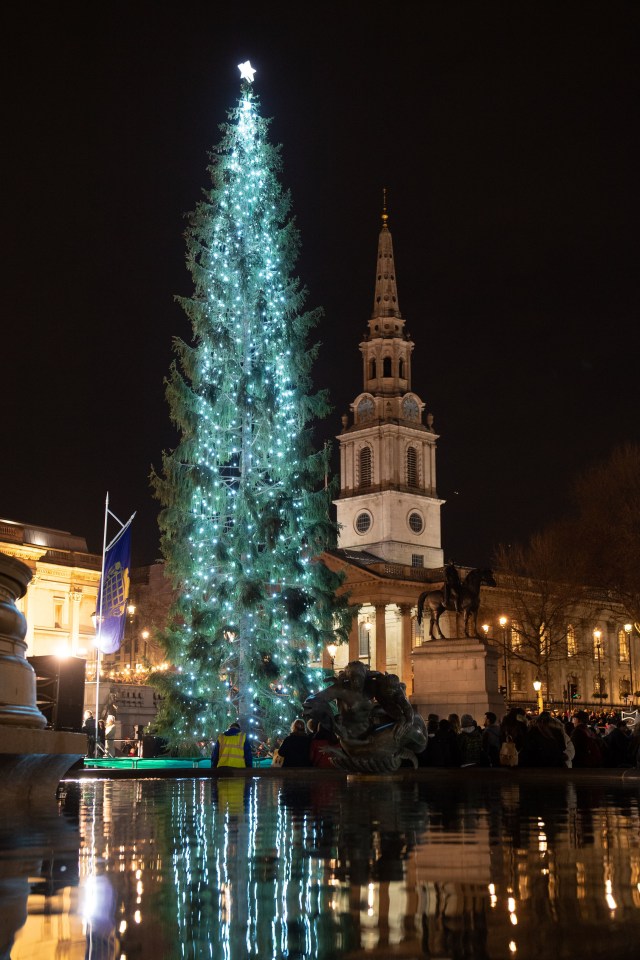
{"type": "Point", "coordinates": [296, 748]}
{"type": "Point", "coordinates": [444, 751]}
{"type": "Point", "coordinates": [514, 725]}
{"type": "Point", "coordinates": [589, 751]}
{"type": "Point", "coordinates": [491, 739]}
{"type": "Point", "coordinates": [617, 742]}
{"type": "Point", "coordinates": [89, 727]}
{"type": "Point", "coordinates": [543, 744]}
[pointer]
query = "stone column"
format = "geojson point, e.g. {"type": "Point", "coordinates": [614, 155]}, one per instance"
{"type": "Point", "coordinates": [354, 639]}
{"type": "Point", "coordinates": [406, 666]}
{"type": "Point", "coordinates": [381, 638]}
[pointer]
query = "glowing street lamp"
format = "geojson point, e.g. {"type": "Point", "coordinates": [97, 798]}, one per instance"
{"type": "Point", "coordinates": [628, 629]}
{"type": "Point", "coordinates": [503, 624]}
{"type": "Point", "coordinates": [596, 636]}
{"type": "Point", "coordinates": [332, 649]}
{"type": "Point", "coordinates": [537, 686]}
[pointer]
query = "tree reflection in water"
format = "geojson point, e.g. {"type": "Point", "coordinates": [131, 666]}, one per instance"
{"type": "Point", "coordinates": [469, 868]}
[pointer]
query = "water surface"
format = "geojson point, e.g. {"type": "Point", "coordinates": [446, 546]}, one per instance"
{"type": "Point", "coordinates": [362, 868]}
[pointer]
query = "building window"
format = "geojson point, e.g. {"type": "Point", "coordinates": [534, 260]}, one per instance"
{"type": "Point", "coordinates": [365, 463]}
{"type": "Point", "coordinates": [417, 560]}
{"type": "Point", "coordinates": [363, 522]}
{"type": "Point", "coordinates": [364, 647]}
{"type": "Point", "coordinates": [598, 645]}
{"type": "Point", "coordinates": [401, 368]}
{"type": "Point", "coordinates": [600, 687]}
{"type": "Point", "coordinates": [572, 644]}
{"type": "Point", "coordinates": [58, 607]}
{"type": "Point", "coordinates": [386, 367]}
{"type": "Point", "coordinates": [415, 523]}
{"type": "Point", "coordinates": [623, 646]}
{"type": "Point", "coordinates": [516, 637]}
{"type": "Point", "coordinates": [412, 467]}
{"type": "Point", "coordinates": [372, 368]}
{"type": "Point", "coordinates": [517, 681]}
{"type": "Point", "coordinates": [544, 642]}
{"type": "Point", "coordinates": [625, 688]}
{"type": "Point", "coordinates": [417, 632]}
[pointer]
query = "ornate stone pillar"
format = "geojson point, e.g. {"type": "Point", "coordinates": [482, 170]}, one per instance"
{"type": "Point", "coordinates": [17, 677]}
{"type": "Point", "coordinates": [32, 759]}
{"type": "Point", "coordinates": [381, 638]}
{"type": "Point", "coordinates": [406, 666]}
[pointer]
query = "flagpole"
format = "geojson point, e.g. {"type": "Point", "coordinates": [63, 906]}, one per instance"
{"type": "Point", "coordinates": [99, 637]}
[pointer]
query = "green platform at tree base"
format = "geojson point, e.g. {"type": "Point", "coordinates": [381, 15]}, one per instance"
{"type": "Point", "coordinates": [156, 763]}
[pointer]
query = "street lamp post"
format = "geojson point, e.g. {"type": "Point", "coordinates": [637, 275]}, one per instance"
{"type": "Point", "coordinates": [537, 686]}
{"type": "Point", "coordinates": [368, 627]}
{"type": "Point", "coordinates": [131, 610]}
{"type": "Point", "coordinates": [628, 629]}
{"type": "Point", "coordinates": [503, 623]}
{"type": "Point", "coordinates": [597, 634]}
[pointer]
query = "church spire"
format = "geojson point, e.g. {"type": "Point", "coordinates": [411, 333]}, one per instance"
{"type": "Point", "coordinates": [385, 302]}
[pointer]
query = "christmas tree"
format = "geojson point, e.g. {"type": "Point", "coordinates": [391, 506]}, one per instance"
{"type": "Point", "coordinates": [245, 509]}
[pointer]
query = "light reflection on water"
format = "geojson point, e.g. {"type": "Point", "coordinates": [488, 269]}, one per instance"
{"type": "Point", "coordinates": [367, 867]}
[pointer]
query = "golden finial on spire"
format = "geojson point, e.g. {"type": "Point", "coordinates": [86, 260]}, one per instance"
{"type": "Point", "coordinates": [385, 216]}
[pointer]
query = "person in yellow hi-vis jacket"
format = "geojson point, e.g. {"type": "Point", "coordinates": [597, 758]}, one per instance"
{"type": "Point", "coordinates": [232, 749]}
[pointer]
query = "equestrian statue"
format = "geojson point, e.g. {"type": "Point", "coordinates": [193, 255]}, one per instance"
{"type": "Point", "coordinates": [461, 596]}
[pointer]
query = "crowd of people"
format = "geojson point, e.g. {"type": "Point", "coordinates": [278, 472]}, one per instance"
{"type": "Point", "coordinates": [550, 739]}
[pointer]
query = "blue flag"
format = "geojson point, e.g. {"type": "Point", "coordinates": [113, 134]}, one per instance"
{"type": "Point", "coordinates": [113, 593]}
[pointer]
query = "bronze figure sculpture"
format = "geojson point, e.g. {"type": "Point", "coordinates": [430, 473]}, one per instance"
{"type": "Point", "coordinates": [375, 724]}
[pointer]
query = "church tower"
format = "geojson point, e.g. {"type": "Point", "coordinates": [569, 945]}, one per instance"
{"type": "Point", "coordinates": [388, 505]}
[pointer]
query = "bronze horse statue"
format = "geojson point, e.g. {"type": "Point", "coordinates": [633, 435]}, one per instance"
{"type": "Point", "coordinates": [463, 598]}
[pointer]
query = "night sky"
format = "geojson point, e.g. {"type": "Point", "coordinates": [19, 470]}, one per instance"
{"type": "Point", "coordinates": [505, 134]}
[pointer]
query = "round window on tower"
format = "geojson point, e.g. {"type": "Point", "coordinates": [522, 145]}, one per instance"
{"type": "Point", "coordinates": [363, 522]}
{"type": "Point", "coordinates": [415, 522]}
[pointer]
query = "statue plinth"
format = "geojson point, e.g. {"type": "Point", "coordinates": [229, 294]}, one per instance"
{"type": "Point", "coordinates": [32, 760]}
{"type": "Point", "coordinates": [459, 675]}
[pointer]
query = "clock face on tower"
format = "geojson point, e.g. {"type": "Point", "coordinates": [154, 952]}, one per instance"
{"type": "Point", "coordinates": [410, 409]}
{"type": "Point", "coordinates": [365, 409]}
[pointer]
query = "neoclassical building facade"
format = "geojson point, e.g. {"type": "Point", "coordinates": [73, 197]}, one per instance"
{"type": "Point", "coordinates": [61, 597]}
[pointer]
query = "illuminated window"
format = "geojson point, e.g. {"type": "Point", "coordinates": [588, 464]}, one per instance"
{"type": "Point", "coordinates": [412, 467]}
{"type": "Point", "coordinates": [516, 637]}
{"type": "Point", "coordinates": [58, 607]}
{"type": "Point", "coordinates": [623, 646]}
{"type": "Point", "coordinates": [600, 686]}
{"type": "Point", "coordinates": [544, 641]}
{"type": "Point", "coordinates": [598, 645]}
{"type": "Point", "coordinates": [572, 644]}
{"type": "Point", "coordinates": [366, 467]}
